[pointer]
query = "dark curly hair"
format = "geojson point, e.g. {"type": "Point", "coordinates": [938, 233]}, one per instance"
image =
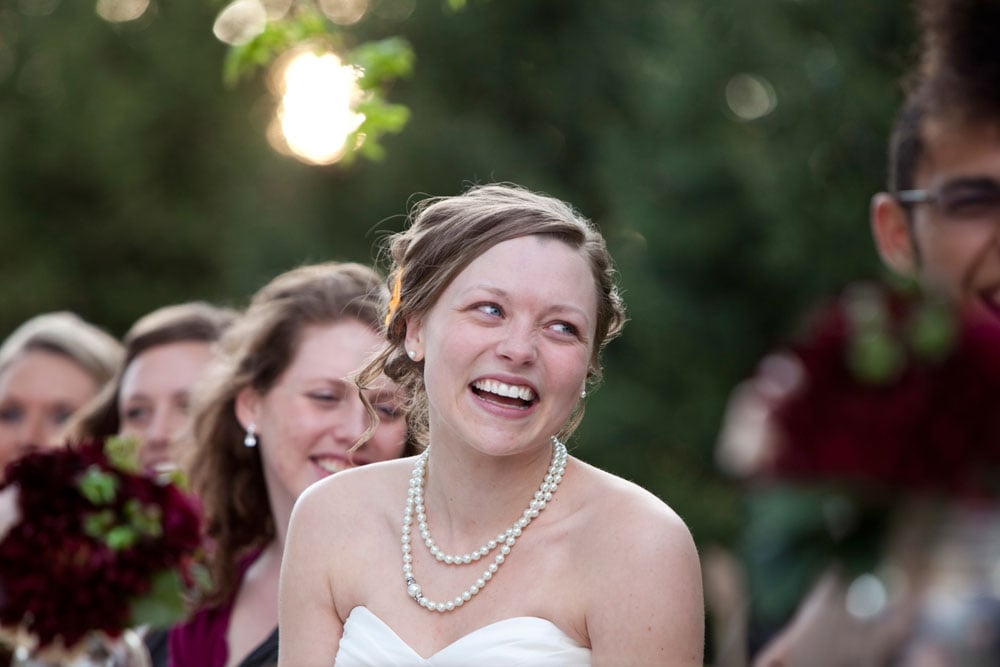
{"type": "Point", "coordinates": [957, 79]}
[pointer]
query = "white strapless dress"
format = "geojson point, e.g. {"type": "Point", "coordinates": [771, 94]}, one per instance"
{"type": "Point", "coordinates": [524, 641]}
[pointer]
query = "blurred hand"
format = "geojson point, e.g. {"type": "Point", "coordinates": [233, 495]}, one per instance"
{"type": "Point", "coordinates": [748, 440]}
{"type": "Point", "coordinates": [824, 633]}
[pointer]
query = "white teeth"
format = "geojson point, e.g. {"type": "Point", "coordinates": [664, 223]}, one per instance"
{"type": "Point", "coordinates": [331, 465]}
{"type": "Point", "coordinates": [506, 390]}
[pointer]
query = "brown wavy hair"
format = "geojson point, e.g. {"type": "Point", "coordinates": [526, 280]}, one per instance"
{"type": "Point", "coordinates": [195, 321]}
{"type": "Point", "coordinates": [444, 235]}
{"type": "Point", "coordinates": [254, 352]}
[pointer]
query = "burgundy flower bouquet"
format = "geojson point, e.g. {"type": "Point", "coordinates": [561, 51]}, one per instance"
{"type": "Point", "coordinates": [897, 392]}
{"type": "Point", "coordinates": [96, 547]}
{"type": "Point", "coordinates": [888, 397]}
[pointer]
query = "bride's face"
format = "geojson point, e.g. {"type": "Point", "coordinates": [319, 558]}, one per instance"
{"type": "Point", "coordinates": [507, 345]}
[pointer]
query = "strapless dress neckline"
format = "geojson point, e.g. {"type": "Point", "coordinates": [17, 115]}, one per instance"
{"type": "Point", "coordinates": [520, 641]}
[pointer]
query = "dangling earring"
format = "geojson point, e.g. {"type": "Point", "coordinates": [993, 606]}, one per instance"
{"type": "Point", "coordinates": [251, 437]}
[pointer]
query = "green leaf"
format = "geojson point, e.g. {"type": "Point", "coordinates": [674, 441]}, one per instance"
{"type": "Point", "coordinates": [121, 537]}
{"type": "Point", "coordinates": [875, 357]}
{"type": "Point", "coordinates": [146, 520]}
{"type": "Point", "coordinates": [97, 524]}
{"type": "Point", "coordinates": [97, 486]}
{"type": "Point", "coordinates": [163, 604]}
{"type": "Point", "coordinates": [123, 453]}
{"type": "Point", "coordinates": [383, 117]}
{"type": "Point", "coordinates": [296, 28]}
{"type": "Point", "coordinates": [933, 332]}
{"type": "Point", "coordinates": [382, 61]}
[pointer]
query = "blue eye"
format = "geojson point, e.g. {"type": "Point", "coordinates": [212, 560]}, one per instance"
{"type": "Point", "coordinates": [566, 328]}
{"type": "Point", "coordinates": [11, 414]}
{"type": "Point", "coordinates": [388, 411]}
{"type": "Point", "coordinates": [490, 309]}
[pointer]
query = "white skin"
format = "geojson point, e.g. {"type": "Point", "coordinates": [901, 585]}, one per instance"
{"type": "Point", "coordinates": [607, 562]}
{"type": "Point", "coordinates": [154, 396]}
{"type": "Point", "coordinates": [306, 424]}
{"type": "Point", "coordinates": [39, 391]}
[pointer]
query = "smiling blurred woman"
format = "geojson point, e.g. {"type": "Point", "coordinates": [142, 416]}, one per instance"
{"type": "Point", "coordinates": [166, 352]}
{"type": "Point", "coordinates": [278, 412]}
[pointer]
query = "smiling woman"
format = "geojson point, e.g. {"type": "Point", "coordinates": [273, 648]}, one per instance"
{"type": "Point", "coordinates": [276, 413]}
{"type": "Point", "coordinates": [148, 398]}
{"type": "Point", "coordinates": [503, 301]}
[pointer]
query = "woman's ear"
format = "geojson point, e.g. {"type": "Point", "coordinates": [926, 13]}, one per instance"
{"type": "Point", "coordinates": [893, 237]}
{"type": "Point", "coordinates": [414, 339]}
{"type": "Point", "coordinates": [247, 406]}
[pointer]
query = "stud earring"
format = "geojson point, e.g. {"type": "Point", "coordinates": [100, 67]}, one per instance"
{"type": "Point", "coordinates": [250, 440]}
{"type": "Point", "coordinates": [583, 393]}
{"type": "Point", "coordinates": [412, 355]}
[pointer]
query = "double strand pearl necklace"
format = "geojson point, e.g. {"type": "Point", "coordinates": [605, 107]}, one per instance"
{"type": "Point", "coordinates": [504, 541]}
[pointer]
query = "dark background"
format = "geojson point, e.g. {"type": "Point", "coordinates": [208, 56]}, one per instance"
{"type": "Point", "coordinates": [131, 177]}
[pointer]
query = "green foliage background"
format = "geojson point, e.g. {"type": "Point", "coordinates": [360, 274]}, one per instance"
{"type": "Point", "coordinates": [130, 177]}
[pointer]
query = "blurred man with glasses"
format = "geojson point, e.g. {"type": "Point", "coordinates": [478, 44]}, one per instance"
{"type": "Point", "coordinates": [939, 222]}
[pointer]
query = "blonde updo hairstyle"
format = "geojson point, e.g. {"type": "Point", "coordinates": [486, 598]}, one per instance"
{"type": "Point", "coordinates": [444, 235]}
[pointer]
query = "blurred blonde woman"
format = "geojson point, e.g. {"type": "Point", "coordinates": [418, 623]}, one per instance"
{"type": "Point", "coordinates": [50, 367]}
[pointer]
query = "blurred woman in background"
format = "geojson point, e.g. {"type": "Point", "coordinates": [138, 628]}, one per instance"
{"type": "Point", "coordinates": [277, 412]}
{"type": "Point", "coordinates": [50, 367]}
{"type": "Point", "coordinates": [166, 352]}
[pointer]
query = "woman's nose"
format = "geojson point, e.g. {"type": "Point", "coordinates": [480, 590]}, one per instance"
{"type": "Point", "coordinates": [517, 344]}
{"type": "Point", "coordinates": [351, 421]}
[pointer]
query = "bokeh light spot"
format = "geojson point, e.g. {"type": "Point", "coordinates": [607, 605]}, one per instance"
{"type": "Point", "coordinates": [316, 114]}
{"type": "Point", "coordinates": [277, 9]}
{"type": "Point", "coordinates": [750, 97]}
{"type": "Point", "coordinates": [344, 12]}
{"type": "Point", "coordinates": [395, 10]}
{"type": "Point", "coordinates": [121, 11]}
{"type": "Point", "coordinates": [866, 597]}
{"type": "Point", "coordinates": [240, 21]}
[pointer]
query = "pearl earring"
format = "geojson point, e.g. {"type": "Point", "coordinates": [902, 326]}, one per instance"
{"type": "Point", "coordinates": [250, 440]}
{"type": "Point", "coordinates": [412, 355]}
{"type": "Point", "coordinates": [583, 393]}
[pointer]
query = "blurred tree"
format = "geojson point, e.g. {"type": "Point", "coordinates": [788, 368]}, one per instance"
{"type": "Point", "coordinates": [728, 151]}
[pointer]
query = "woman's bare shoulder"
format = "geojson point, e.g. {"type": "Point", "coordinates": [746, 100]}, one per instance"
{"type": "Point", "coordinates": [357, 489]}
{"type": "Point", "coordinates": [610, 498]}
{"type": "Point", "coordinates": [642, 561]}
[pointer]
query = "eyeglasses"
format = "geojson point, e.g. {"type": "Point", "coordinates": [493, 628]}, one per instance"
{"type": "Point", "coordinates": [962, 199]}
